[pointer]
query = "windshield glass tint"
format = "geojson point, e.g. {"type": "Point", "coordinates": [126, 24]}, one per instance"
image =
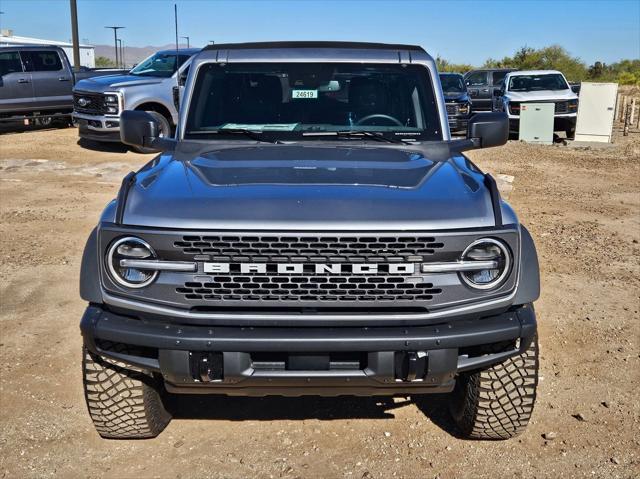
{"type": "Point", "coordinates": [296, 99]}
{"type": "Point", "coordinates": [452, 83]}
{"type": "Point", "coordinates": [159, 65]}
{"type": "Point", "coordinates": [550, 81]}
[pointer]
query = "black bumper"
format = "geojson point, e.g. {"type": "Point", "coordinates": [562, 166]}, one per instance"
{"type": "Point", "coordinates": [96, 135]}
{"type": "Point", "coordinates": [417, 359]}
{"type": "Point", "coordinates": [560, 123]}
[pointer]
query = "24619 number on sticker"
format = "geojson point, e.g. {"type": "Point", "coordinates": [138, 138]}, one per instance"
{"type": "Point", "coordinates": [304, 94]}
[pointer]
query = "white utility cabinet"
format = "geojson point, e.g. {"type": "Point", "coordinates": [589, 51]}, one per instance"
{"type": "Point", "coordinates": [536, 122]}
{"type": "Point", "coordinates": [596, 108]}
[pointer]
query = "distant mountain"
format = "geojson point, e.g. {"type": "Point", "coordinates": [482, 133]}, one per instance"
{"type": "Point", "coordinates": [132, 55]}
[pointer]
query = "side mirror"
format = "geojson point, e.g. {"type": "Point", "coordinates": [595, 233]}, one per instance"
{"type": "Point", "coordinates": [182, 78]}
{"type": "Point", "coordinates": [488, 129]}
{"type": "Point", "coordinates": [142, 129]}
{"type": "Point", "coordinates": [497, 92]}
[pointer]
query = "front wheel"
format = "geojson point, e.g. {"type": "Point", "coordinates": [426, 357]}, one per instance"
{"type": "Point", "coordinates": [165, 132]}
{"type": "Point", "coordinates": [497, 403]}
{"type": "Point", "coordinates": [123, 404]}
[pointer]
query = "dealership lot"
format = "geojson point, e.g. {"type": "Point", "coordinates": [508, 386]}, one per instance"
{"type": "Point", "coordinates": [583, 208]}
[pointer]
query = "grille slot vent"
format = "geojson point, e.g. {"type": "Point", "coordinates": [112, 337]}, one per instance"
{"type": "Point", "coordinates": [303, 288]}
{"type": "Point", "coordinates": [311, 249]}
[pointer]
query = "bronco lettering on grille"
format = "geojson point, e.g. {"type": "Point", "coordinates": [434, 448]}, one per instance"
{"type": "Point", "coordinates": [301, 268]}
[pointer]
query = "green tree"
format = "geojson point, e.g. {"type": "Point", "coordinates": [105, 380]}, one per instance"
{"type": "Point", "coordinates": [104, 62]}
{"type": "Point", "coordinates": [446, 66]}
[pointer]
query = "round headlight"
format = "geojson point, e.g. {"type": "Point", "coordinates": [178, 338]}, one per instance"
{"type": "Point", "coordinates": [489, 251]}
{"type": "Point", "coordinates": [130, 248]}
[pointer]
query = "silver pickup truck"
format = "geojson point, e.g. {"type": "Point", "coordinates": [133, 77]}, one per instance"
{"type": "Point", "coordinates": [149, 87]}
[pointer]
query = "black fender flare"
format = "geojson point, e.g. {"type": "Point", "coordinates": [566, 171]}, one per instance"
{"type": "Point", "coordinates": [90, 289]}
{"type": "Point", "coordinates": [529, 281]}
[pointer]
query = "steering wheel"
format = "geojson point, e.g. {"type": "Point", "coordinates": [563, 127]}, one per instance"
{"type": "Point", "coordinates": [379, 115]}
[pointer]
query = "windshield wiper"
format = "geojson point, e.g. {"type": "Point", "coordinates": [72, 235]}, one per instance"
{"type": "Point", "coordinates": [376, 136]}
{"type": "Point", "coordinates": [254, 135]}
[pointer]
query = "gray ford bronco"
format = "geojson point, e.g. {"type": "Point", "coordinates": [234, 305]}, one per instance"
{"type": "Point", "coordinates": [312, 229]}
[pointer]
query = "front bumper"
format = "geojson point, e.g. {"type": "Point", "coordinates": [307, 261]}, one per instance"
{"type": "Point", "coordinates": [98, 128]}
{"type": "Point", "coordinates": [393, 360]}
{"type": "Point", "coordinates": [561, 122]}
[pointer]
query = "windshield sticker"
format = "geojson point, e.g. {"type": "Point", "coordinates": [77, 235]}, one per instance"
{"type": "Point", "coordinates": [304, 94]}
{"type": "Point", "coordinates": [259, 127]}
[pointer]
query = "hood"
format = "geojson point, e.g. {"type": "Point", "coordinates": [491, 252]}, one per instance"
{"type": "Point", "coordinates": [106, 82]}
{"type": "Point", "coordinates": [296, 187]}
{"type": "Point", "coordinates": [456, 97]}
{"type": "Point", "coordinates": [541, 95]}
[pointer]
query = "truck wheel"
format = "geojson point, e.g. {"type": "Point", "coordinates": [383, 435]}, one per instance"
{"type": "Point", "coordinates": [165, 131]}
{"type": "Point", "coordinates": [497, 403]}
{"type": "Point", "coordinates": [123, 404]}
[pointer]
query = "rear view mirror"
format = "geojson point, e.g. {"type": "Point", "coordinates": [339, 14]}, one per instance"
{"type": "Point", "coordinates": [488, 129]}
{"type": "Point", "coordinates": [142, 129]}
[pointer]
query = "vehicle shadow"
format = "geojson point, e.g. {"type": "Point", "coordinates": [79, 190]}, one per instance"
{"type": "Point", "coordinates": [104, 147]}
{"type": "Point", "coordinates": [272, 408]}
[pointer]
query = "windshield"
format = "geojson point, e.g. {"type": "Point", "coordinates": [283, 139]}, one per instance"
{"type": "Point", "coordinates": [303, 100]}
{"type": "Point", "coordinates": [159, 65]}
{"type": "Point", "coordinates": [548, 81]}
{"type": "Point", "coordinates": [452, 83]}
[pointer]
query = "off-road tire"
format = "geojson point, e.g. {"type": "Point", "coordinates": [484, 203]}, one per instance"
{"type": "Point", "coordinates": [123, 404]}
{"type": "Point", "coordinates": [497, 403]}
{"type": "Point", "coordinates": [165, 132]}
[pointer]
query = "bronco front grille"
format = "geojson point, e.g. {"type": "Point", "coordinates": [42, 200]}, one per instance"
{"type": "Point", "coordinates": [304, 288]}
{"type": "Point", "coordinates": [311, 249]}
{"type": "Point", "coordinates": [272, 286]}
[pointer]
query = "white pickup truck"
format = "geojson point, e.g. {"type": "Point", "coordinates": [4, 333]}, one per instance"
{"type": "Point", "coordinates": [538, 86]}
{"type": "Point", "coordinates": [98, 102]}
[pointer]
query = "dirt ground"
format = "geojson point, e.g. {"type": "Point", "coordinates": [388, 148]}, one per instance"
{"type": "Point", "coordinates": [583, 209]}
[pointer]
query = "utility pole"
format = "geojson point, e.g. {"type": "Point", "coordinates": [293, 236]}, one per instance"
{"type": "Point", "coordinates": [74, 34]}
{"type": "Point", "coordinates": [187, 41]}
{"type": "Point", "coordinates": [121, 53]}
{"type": "Point", "coordinates": [115, 40]}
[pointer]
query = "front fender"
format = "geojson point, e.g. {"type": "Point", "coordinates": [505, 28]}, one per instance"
{"type": "Point", "coordinates": [529, 282]}
{"type": "Point", "coordinates": [90, 289]}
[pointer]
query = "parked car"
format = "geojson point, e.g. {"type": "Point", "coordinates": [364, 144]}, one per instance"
{"type": "Point", "coordinates": [457, 101]}
{"type": "Point", "coordinates": [36, 82]}
{"type": "Point", "coordinates": [539, 86]}
{"type": "Point", "coordinates": [311, 229]}
{"type": "Point", "coordinates": [482, 83]}
{"type": "Point", "coordinates": [149, 86]}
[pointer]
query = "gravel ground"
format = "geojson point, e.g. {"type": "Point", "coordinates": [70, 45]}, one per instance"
{"type": "Point", "coordinates": [583, 209]}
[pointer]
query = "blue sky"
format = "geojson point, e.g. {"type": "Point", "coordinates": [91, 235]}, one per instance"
{"type": "Point", "coordinates": [461, 31]}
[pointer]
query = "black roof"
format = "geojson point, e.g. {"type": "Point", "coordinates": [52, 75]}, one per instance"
{"type": "Point", "coordinates": [313, 44]}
